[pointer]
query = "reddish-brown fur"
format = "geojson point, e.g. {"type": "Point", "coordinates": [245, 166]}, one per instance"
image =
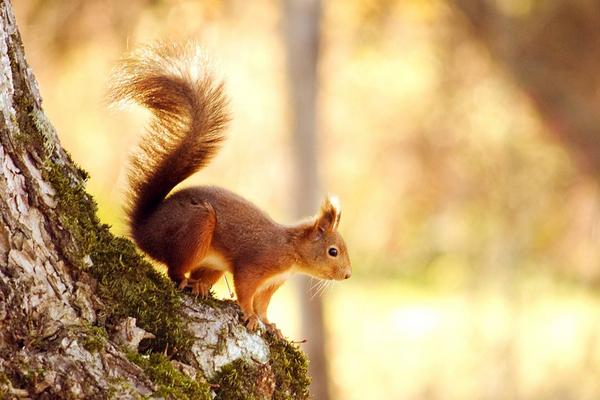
{"type": "Point", "coordinates": [206, 230]}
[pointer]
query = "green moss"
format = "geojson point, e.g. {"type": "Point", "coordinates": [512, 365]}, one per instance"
{"type": "Point", "coordinates": [128, 285]}
{"type": "Point", "coordinates": [285, 377]}
{"type": "Point", "coordinates": [41, 125]}
{"type": "Point", "coordinates": [244, 380]}
{"type": "Point", "coordinates": [290, 367]}
{"type": "Point", "coordinates": [172, 383]}
{"type": "Point", "coordinates": [76, 211]}
{"type": "Point", "coordinates": [94, 338]}
{"type": "Point", "coordinates": [135, 288]}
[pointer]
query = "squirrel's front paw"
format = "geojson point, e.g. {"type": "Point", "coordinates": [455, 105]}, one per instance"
{"type": "Point", "coordinates": [252, 323]}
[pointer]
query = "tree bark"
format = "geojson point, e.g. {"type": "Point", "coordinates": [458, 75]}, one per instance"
{"type": "Point", "coordinates": [77, 302]}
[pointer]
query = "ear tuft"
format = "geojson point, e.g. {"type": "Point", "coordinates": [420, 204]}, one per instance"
{"type": "Point", "coordinates": [334, 202]}
{"type": "Point", "coordinates": [329, 215]}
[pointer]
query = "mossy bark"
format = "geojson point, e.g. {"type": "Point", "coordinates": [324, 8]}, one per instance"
{"type": "Point", "coordinates": [82, 314]}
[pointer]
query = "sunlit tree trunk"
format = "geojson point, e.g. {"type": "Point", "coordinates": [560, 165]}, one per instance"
{"type": "Point", "coordinates": [301, 26]}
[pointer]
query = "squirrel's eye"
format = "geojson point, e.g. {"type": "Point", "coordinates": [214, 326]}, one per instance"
{"type": "Point", "coordinates": [333, 251]}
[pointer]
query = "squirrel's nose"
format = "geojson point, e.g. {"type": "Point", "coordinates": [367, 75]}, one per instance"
{"type": "Point", "coordinates": [348, 275]}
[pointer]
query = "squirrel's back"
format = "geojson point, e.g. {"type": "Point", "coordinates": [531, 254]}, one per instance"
{"type": "Point", "coordinates": [242, 230]}
{"type": "Point", "coordinates": [189, 113]}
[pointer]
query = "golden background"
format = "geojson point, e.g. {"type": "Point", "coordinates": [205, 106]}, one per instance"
{"type": "Point", "coordinates": [473, 230]}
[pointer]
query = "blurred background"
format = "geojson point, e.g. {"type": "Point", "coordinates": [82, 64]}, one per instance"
{"type": "Point", "coordinates": [462, 137]}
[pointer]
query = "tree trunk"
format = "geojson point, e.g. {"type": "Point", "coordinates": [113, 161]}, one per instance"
{"type": "Point", "coordinates": [76, 303]}
{"type": "Point", "coordinates": [302, 22]}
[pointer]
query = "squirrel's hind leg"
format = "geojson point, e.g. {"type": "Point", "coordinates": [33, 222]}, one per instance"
{"type": "Point", "coordinates": [191, 243]}
{"type": "Point", "coordinates": [203, 279]}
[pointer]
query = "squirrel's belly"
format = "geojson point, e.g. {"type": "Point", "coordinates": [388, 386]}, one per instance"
{"type": "Point", "coordinates": [215, 260]}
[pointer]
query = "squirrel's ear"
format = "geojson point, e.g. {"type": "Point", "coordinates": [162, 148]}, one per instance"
{"type": "Point", "coordinates": [329, 215]}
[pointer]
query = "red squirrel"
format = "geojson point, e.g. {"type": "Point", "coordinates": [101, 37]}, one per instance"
{"type": "Point", "coordinates": [203, 231]}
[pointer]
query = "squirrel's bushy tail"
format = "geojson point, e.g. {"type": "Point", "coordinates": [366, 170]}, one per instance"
{"type": "Point", "coordinates": [189, 113]}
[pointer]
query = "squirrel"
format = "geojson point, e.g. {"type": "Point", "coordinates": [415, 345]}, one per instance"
{"type": "Point", "coordinates": [202, 232]}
